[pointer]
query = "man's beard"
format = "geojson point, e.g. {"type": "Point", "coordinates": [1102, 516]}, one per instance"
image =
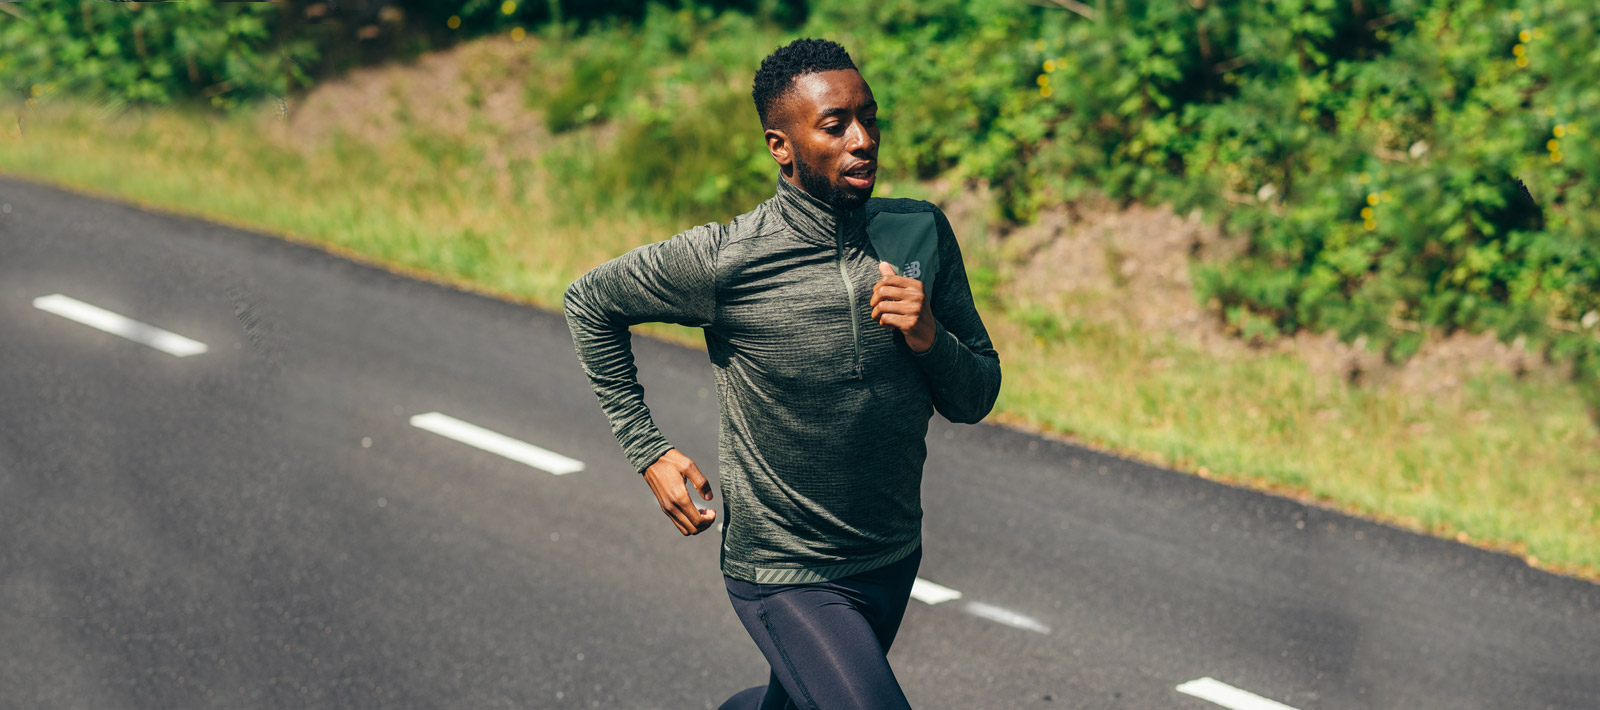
{"type": "Point", "coordinates": [819, 186]}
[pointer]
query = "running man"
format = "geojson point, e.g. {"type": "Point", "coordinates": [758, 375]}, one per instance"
{"type": "Point", "coordinates": [837, 325]}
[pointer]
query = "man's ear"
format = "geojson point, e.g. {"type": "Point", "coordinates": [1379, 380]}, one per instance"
{"type": "Point", "coordinates": [779, 147]}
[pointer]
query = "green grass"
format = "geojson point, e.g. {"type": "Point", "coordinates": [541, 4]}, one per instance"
{"type": "Point", "coordinates": [1502, 463]}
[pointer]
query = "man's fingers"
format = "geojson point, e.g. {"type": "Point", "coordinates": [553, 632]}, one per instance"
{"type": "Point", "coordinates": [894, 308]}
{"type": "Point", "coordinates": [698, 480]}
{"type": "Point", "coordinates": [707, 517]}
{"type": "Point", "coordinates": [696, 522]}
{"type": "Point", "coordinates": [673, 516]}
{"type": "Point", "coordinates": [686, 514]}
{"type": "Point", "coordinates": [886, 292]}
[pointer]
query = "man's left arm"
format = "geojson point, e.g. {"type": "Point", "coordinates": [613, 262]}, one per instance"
{"type": "Point", "coordinates": [961, 367]}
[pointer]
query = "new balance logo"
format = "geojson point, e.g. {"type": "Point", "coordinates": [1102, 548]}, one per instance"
{"type": "Point", "coordinates": [912, 270]}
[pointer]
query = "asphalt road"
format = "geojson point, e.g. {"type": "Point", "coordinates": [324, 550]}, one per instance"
{"type": "Point", "coordinates": [261, 525]}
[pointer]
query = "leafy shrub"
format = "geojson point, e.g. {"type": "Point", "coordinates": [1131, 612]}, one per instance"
{"type": "Point", "coordinates": [150, 53]}
{"type": "Point", "coordinates": [1375, 153]}
{"type": "Point", "coordinates": [686, 142]}
{"type": "Point", "coordinates": [1399, 167]}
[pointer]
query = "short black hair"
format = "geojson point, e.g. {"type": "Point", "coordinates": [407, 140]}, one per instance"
{"type": "Point", "coordinates": [778, 71]}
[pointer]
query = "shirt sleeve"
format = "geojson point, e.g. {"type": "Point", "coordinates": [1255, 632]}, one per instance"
{"type": "Point", "coordinates": [671, 281]}
{"type": "Point", "coordinates": [962, 368]}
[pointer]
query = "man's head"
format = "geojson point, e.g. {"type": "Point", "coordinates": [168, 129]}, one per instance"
{"type": "Point", "coordinates": [820, 121]}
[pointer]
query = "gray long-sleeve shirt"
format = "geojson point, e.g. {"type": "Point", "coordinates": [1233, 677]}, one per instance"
{"type": "Point", "coordinates": [824, 412]}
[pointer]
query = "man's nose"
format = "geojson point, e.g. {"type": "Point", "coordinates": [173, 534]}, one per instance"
{"type": "Point", "coordinates": [860, 138]}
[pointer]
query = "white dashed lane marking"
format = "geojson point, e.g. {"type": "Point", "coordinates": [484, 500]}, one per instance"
{"type": "Point", "coordinates": [117, 324]}
{"type": "Point", "coordinates": [497, 443]}
{"type": "Point", "coordinates": [1228, 696]}
{"type": "Point", "coordinates": [1005, 616]}
{"type": "Point", "coordinates": [929, 593]}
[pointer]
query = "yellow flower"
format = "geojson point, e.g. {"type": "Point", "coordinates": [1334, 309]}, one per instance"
{"type": "Point", "coordinates": [1555, 157]}
{"type": "Point", "coordinates": [1538, 33]}
{"type": "Point", "coordinates": [1370, 225]}
{"type": "Point", "coordinates": [1519, 50]}
{"type": "Point", "coordinates": [1044, 91]}
{"type": "Point", "coordinates": [1366, 213]}
{"type": "Point", "coordinates": [1049, 66]}
{"type": "Point", "coordinates": [1553, 145]}
{"type": "Point", "coordinates": [1364, 178]}
{"type": "Point", "coordinates": [1372, 198]}
{"type": "Point", "coordinates": [1044, 79]}
{"type": "Point", "coordinates": [508, 7]}
{"type": "Point", "coordinates": [1522, 61]}
{"type": "Point", "coordinates": [37, 90]}
{"type": "Point", "coordinates": [1516, 14]}
{"type": "Point", "coordinates": [1525, 36]}
{"type": "Point", "coordinates": [517, 33]}
{"type": "Point", "coordinates": [1559, 130]}
{"type": "Point", "coordinates": [1384, 196]}
{"type": "Point", "coordinates": [1038, 45]}
{"type": "Point", "coordinates": [453, 22]}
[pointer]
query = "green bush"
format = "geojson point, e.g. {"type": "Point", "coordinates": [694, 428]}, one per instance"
{"type": "Point", "coordinates": [1375, 153]}
{"type": "Point", "coordinates": [151, 53]}
{"type": "Point", "coordinates": [1399, 167]}
{"type": "Point", "coordinates": [686, 142]}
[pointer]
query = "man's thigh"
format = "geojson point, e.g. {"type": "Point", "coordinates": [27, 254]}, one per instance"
{"type": "Point", "coordinates": [824, 650]}
{"type": "Point", "coordinates": [883, 593]}
{"type": "Point", "coordinates": [826, 642]}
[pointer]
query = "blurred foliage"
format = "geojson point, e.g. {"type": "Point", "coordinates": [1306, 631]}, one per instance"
{"type": "Point", "coordinates": [685, 139]}
{"type": "Point", "coordinates": [1399, 167]}
{"type": "Point", "coordinates": [148, 53]}
{"type": "Point", "coordinates": [230, 54]}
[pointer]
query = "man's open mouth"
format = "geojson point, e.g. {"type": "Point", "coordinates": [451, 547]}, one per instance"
{"type": "Point", "coordinates": [862, 175]}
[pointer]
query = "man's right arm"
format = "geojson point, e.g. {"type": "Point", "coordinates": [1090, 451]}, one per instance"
{"type": "Point", "coordinates": [670, 281]}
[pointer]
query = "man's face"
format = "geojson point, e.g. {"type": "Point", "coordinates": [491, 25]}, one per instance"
{"type": "Point", "coordinates": [828, 143]}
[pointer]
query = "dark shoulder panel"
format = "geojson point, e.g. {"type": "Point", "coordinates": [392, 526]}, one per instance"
{"type": "Point", "coordinates": [899, 205]}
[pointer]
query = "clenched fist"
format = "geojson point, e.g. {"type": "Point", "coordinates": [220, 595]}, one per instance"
{"type": "Point", "coordinates": [898, 303]}
{"type": "Point", "coordinates": [666, 477]}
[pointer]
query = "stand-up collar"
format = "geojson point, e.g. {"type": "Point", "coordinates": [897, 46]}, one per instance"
{"type": "Point", "coordinates": [817, 221]}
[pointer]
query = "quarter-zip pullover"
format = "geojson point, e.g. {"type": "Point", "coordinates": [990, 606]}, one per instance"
{"type": "Point", "coordinates": [824, 412]}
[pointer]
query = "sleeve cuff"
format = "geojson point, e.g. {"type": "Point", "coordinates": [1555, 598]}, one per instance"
{"type": "Point", "coordinates": [644, 455]}
{"type": "Point", "coordinates": [943, 353]}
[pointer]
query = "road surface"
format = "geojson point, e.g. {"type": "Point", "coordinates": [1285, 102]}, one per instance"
{"type": "Point", "coordinates": [237, 472]}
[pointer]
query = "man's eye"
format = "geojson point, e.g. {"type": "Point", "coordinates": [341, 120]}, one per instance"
{"type": "Point", "coordinates": [870, 120]}
{"type": "Point", "coordinates": [835, 128]}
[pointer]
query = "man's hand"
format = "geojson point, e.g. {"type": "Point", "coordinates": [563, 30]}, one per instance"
{"type": "Point", "coordinates": [666, 477]}
{"type": "Point", "coordinates": [897, 302]}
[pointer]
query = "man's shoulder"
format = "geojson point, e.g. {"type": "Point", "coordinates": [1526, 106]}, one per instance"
{"type": "Point", "coordinates": [760, 220]}
{"type": "Point", "coordinates": [899, 205]}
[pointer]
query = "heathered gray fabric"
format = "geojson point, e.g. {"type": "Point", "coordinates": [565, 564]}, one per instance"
{"type": "Point", "coordinates": [824, 411]}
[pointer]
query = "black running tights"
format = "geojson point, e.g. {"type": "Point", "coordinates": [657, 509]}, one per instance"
{"type": "Point", "coordinates": [826, 641]}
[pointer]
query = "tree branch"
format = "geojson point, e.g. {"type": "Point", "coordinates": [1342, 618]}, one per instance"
{"type": "Point", "coordinates": [1076, 6]}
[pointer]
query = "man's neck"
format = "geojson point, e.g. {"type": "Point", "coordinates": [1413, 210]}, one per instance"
{"type": "Point", "coordinates": [813, 217]}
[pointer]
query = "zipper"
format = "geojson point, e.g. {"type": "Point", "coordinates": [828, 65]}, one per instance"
{"type": "Point", "coordinates": [849, 289]}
